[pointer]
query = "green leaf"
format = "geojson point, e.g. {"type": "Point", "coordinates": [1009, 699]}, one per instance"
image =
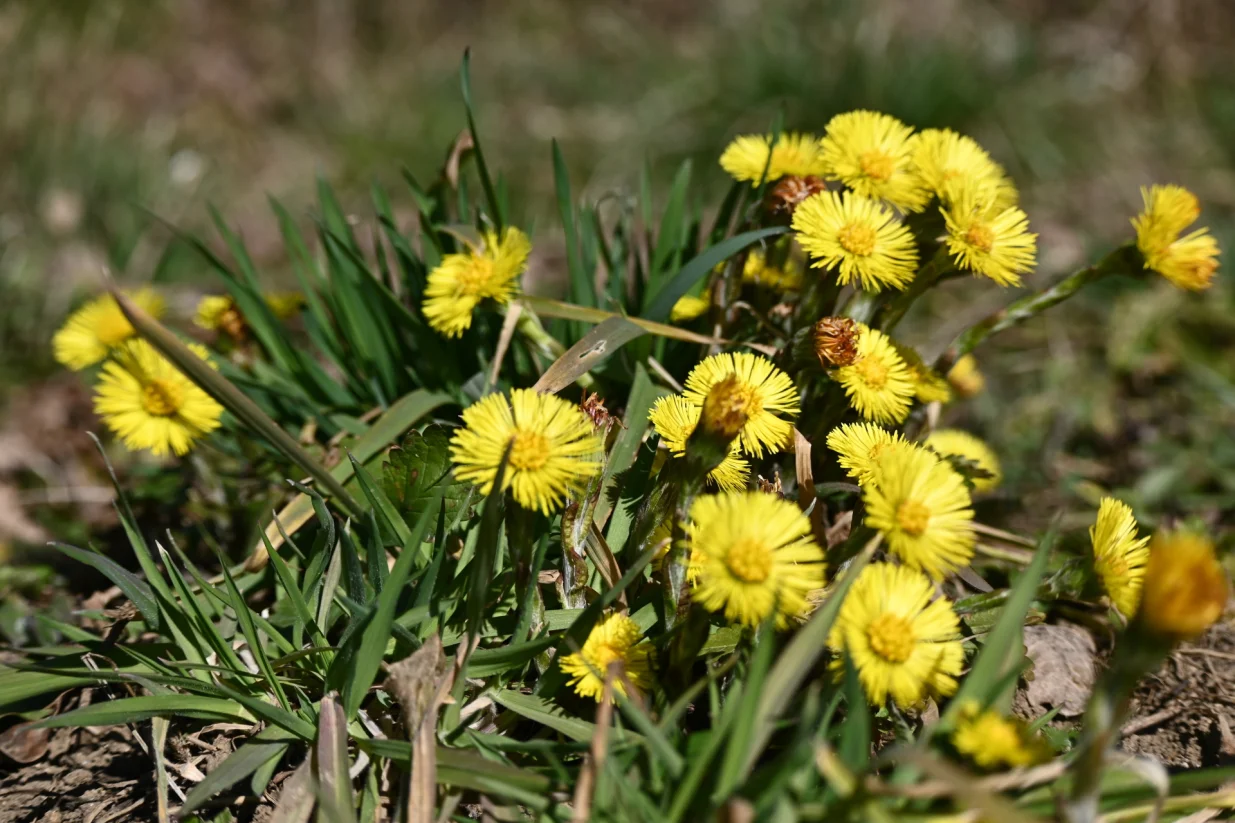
{"type": "Point", "coordinates": [672, 233]}
{"type": "Point", "coordinates": [261, 749]}
{"type": "Point", "coordinates": [488, 662]}
{"type": "Point", "coordinates": [418, 469]}
{"type": "Point", "coordinates": [738, 753]}
{"type": "Point", "coordinates": [855, 736]}
{"type": "Point", "coordinates": [591, 349]}
{"type": "Point", "coordinates": [249, 629]}
{"type": "Point", "coordinates": [336, 803]}
{"type": "Point", "coordinates": [549, 714]}
{"type": "Point", "coordinates": [133, 586]}
{"type": "Point", "coordinates": [661, 304]}
{"type": "Point", "coordinates": [135, 709]}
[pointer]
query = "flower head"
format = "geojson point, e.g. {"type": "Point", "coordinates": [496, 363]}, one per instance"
{"type": "Point", "coordinates": [462, 281]}
{"type": "Point", "coordinates": [859, 446]}
{"type": "Point", "coordinates": [962, 444]}
{"type": "Point", "coordinates": [284, 304]}
{"type": "Point", "coordinates": [553, 447]}
{"type": "Point", "coordinates": [614, 639]}
{"type": "Point", "coordinates": [788, 192]}
{"type": "Point", "coordinates": [928, 385]}
{"type": "Point", "coordinates": [749, 156]}
{"type": "Point", "coordinates": [904, 645]}
{"type": "Point", "coordinates": [991, 241]}
{"type": "Point", "coordinates": [993, 741]}
{"type": "Point", "coordinates": [965, 377]}
{"type": "Point", "coordinates": [1189, 262]}
{"type": "Point", "coordinates": [97, 328]}
{"type": "Point", "coordinates": [753, 555]}
{"type": "Point", "coordinates": [688, 308]}
{"type": "Point", "coordinates": [675, 419]}
{"type": "Point", "coordinates": [150, 404]}
{"type": "Point", "coordinates": [758, 271]}
{"type": "Point", "coordinates": [879, 384]}
{"type": "Point", "coordinates": [1119, 557]}
{"type": "Point", "coordinates": [923, 509]}
{"type": "Point", "coordinates": [859, 237]}
{"type": "Point", "coordinates": [836, 341]}
{"type": "Point", "coordinates": [870, 153]}
{"type": "Point", "coordinates": [761, 390]}
{"type": "Point", "coordinates": [1185, 588]}
{"type": "Point", "coordinates": [950, 164]}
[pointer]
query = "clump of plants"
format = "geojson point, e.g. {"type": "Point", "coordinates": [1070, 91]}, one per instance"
{"type": "Point", "coordinates": [689, 544]}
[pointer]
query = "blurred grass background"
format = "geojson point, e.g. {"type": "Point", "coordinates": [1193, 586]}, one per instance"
{"type": "Point", "coordinates": [111, 108]}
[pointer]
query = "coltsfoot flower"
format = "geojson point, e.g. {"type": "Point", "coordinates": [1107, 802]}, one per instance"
{"type": "Point", "coordinates": [1185, 589]}
{"type": "Point", "coordinates": [858, 237]}
{"type": "Point", "coordinates": [1119, 556]}
{"type": "Point", "coordinates": [993, 741]}
{"type": "Point", "coordinates": [614, 639]}
{"type": "Point", "coordinates": [554, 448]}
{"type": "Point", "coordinates": [962, 444]}
{"type": "Point", "coordinates": [923, 509]}
{"type": "Point", "coordinates": [150, 404]}
{"type": "Point", "coordinates": [752, 554]}
{"type": "Point", "coordinates": [965, 378]}
{"type": "Point", "coordinates": [878, 383]}
{"type": "Point", "coordinates": [990, 241]}
{"type": "Point", "coordinates": [949, 164]}
{"type": "Point", "coordinates": [870, 153]}
{"type": "Point", "coordinates": [98, 328]}
{"type": "Point", "coordinates": [859, 446]}
{"type": "Point", "coordinates": [1189, 262]}
{"type": "Point", "coordinates": [759, 272]}
{"type": "Point", "coordinates": [462, 281]}
{"type": "Point", "coordinates": [764, 393]}
{"type": "Point", "coordinates": [792, 155]}
{"type": "Point", "coordinates": [688, 308]}
{"type": "Point", "coordinates": [675, 419]}
{"type": "Point", "coordinates": [904, 645]}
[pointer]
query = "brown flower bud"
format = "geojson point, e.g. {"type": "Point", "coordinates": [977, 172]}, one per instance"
{"type": "Point", "coordinates": [836, 342]}
{"type": "Point", "coordinates": [726, 409]}
{"type": "Point", "coordinates": [788, 192]}
{"type": "Point", "coordinates": [593, 406]}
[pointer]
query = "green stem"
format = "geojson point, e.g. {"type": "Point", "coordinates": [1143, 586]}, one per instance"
{"type": "Point", "coordinates": [927, 276]}
{"type": "Point", "coordinates": [1121, 259]}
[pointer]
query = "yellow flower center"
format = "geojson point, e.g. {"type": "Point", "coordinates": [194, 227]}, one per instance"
{"type": "Point", "coordinates": [476, 277]}
{"type": "Point", "coordinates": [749, 561]}
{"type": "Point", "coordinates": [876, 164]}
{"type": "Point", "coordinates": [530, 451]}
{"type": "Point", "coordinates": [729, 405]}
{"type": "Point", "coordinates": [162, 398]}
{"type": "Point", "coordinates": [857, 238]}
{"type": "Point", "coordinates": [872, 371]}
{"type": "Point", "coordinates": [891, 637]}
{"type": "Point", "coordinates": [980, 237]}
{"type": "Point", "coordinates": [913, 517]}
{"type": "Point", "coordinates": [602, 656]}
{"type": "Point", "coordinates": [113, 328]}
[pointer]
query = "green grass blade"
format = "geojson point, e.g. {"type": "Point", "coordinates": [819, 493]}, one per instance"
{"type": "Point", "coordinates": [465, 83]}
{"type": "Point", "coordinates": [643, 394]}
{"type": "Point", "coordinates": [672, 232]}
{"type": "Point", "coordinates": [335, 801]}
{"type": "Point", "coordinates": [591, 350]}
{"type": "Point", "coordinates": [133, 586]}
{"type": "Point", "coordinates": [264, 746]}
{"type": "Point", "coordinates": [738, 753]}
{"type": "Point", "coordinates": [661, 303]}
{"type": "Point", "coordinates": [136, 709]}
{"type": "Point", "coordinates": [549, 714]}
{"type": "Point", "coordinates": [582, 288]}
{"type": "Point", "coordinates": [231, 399]}
{"type": "Point", "coordinates": [292, 590]}
{"type": "Point", "coordinates": [272, 714]}
{"type": "Point", "coordinates": [249, 629]}
{"type": "Point", "coordinates": [386, 513]}
{"type": "Point", "coordinates": [855, 737]}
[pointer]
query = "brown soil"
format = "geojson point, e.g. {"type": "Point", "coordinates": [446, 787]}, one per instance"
{"type": "Point", "coordinates": [1185, 713]}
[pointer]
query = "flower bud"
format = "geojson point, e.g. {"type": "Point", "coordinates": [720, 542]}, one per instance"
{"type": "Point", "coordinates": [836, 342]}
{"type": "Point", "coordinates": [726, 409]}
{"type": "Point", "coordinates": [965, 378]}
{"type": "Point", "coordinates": [788, 192]}
{"type": "Point", "coordinates": [1185, 588]}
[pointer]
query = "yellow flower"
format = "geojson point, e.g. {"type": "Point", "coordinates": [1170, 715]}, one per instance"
{"type": "Point", "coordinates": [991, 241]}
{"type": "Point", "coordinates": [614, 639]}
{"type": "Point", "coordinates": [462, 281]}
{"type": "Point", "coordinates": [553, 447]}
{"type": "Point", "coordinates": [1189, 262]}
{"type": "Point", "coordinates": [752, 554]}
{"type": "Point", "coordinates": [870, 153]}
{"type": "Point", "coordinates": [923, 509]}
{"type": "Point", "coordinates": [150, 404]}
{"type": "Point", "coordinates": [746, 158]}
{"type": "Point", "coordinates": [213, 309]}
{"type": "Point", "coordinates": [219, 311]}
{"type": "Point", "coordinates": [1119, 557]}
{"type": "Point", "coordinates": [993, 741]}
{"type": "Point", "coordinates": [687, 308]}
{"type": "Point", "coordinates": [904, 645]}
{"type": "Point", "coordinates": [284, 304]}
{"type": "Point", "coordinates": [948, 164]}
{"type": "Point", "coordinates": [962, 444]}
{"type": "Point", "coordinates": [1185, 588]}
{"type": "Point", "coordinates": [859, 445]}
{"type": "Point", "coordinates": [928, 386]}
{"type": "Point", "coordinates": [859, 237]}
{"type": "Point", "coordinates": [878, 384]}
{"type": "Point", "coordinates": [98, 327]}
{"type": "Point", "coordinates": [762, 389]}
{"type": "Point", "coordinates": [965, 378]}
{"type": "Point", "coordinates": [675, 419]}
{"type": "Point", "coordinates": [758, 272]}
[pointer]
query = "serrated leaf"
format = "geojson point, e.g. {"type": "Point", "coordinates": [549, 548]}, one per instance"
{"type": "Point", "coordinates": [418, 470]}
